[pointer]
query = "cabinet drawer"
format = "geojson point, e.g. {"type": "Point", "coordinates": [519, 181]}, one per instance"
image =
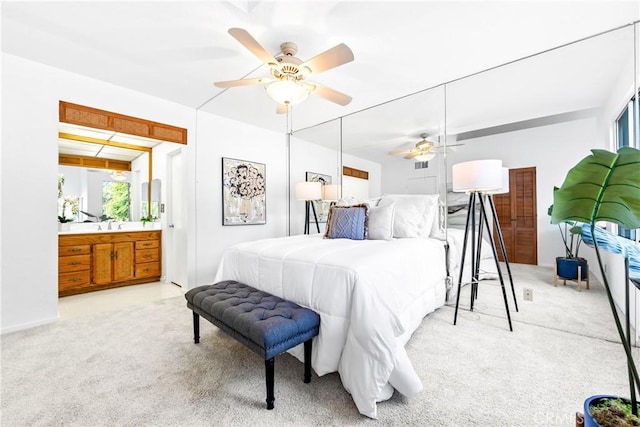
{"type": "Point", "coordinates": [74, 250]}
{"type": "Point", "coordinates": [67, 264]}
{"type": "Point", "coordinates": [147, 269]}
{"type": "Point", "coordinates": [147, 255]}
{"type": "Point", "coordinates": [147, 244]}
{"type": "Point", "coordinates": [77, 279]}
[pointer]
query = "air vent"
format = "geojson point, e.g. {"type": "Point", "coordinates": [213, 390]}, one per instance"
{"type": "Point", "coordinates": [422, 165]}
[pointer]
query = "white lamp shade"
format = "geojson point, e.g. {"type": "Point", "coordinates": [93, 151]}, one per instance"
{"type": "Point", "coordinates": [505, 183]}
{"type": "Point", "coordinates": [477, 175]}
{"type": "Point", "coordinates": [308, 190]}
{"type": "Point", "coordinates": [330, 192]}
{"type": "Point", "coordinates": [286, 92]}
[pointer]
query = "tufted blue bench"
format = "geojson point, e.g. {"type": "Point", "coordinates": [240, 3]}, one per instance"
{"type": "Point", "coordinates": [266, 324]}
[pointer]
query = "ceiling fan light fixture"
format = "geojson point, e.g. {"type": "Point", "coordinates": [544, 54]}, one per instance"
{"type": "Point", "coordinates": [425, 157]}
{"type": "Point", "coordinates": [286, 92]}
{"type": "Point", "coordinates": [119, 176]}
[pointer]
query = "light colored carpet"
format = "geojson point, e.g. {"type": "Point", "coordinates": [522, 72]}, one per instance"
{"type": "Point", "coordinates": [139, 366]}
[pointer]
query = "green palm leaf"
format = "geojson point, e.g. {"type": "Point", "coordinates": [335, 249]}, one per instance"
{"type": "Point", "coordinates": [604, 186]}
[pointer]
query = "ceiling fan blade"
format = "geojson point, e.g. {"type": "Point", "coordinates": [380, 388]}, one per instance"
{"type": "Point", "coordinates": [329, 94]}
{"type": "Point", "coordinates": [254, 47]}
{"type": "Point", "coordinates": [406, 150]}
{"type": "Point", "coordinates": [245, 82]}
{"type": "Point", "coordinates": [442, 147]}
{"type": "Point", "coordinates": [282, 109]}
{"type": "Point", "coordinates": [334, 57]}
{"type": "Point", "coordinates": [412, 155]}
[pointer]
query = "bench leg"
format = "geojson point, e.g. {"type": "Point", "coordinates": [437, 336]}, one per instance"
{"type": "Point", "coordinates": [196, 327]}
{"type": "Point", "coordinates": [268, 364]}
{"type": "Point", "coordinates": [307, 361]}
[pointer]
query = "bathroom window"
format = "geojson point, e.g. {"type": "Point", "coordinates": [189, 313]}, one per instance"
{"type": "Point", "coordinates": [116, 200]}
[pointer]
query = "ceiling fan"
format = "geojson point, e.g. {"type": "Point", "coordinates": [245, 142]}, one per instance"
{"type": "Point", "coordinates": [424, 150]}
{"type": "Point", "coordinates": [288, 84]}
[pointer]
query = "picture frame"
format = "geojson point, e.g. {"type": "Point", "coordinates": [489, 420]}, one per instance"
{"type": "Point", "coordinates": [244, 192]}
{"type": "Point", "coordinates": [322, 207]}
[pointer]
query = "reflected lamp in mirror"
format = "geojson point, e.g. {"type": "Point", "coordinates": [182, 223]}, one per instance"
{"type": "Point", "coordinates": [119, 175]}
{"type": "Point", "coordinates": [331, 192]}
{"type": "Point", "coordinates": [477, 176]}
{"type": "Point", "coordinates": [309, 191]}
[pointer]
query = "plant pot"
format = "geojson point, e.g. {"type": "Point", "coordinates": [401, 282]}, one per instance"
{"type": "Point", "coordinates": [589, 421]}
{"type": "Point", "coordinates": [567, 268]}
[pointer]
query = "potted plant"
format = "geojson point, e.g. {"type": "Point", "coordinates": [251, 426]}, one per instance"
{"type": "Point", "coordinates": [571, 265]}
{"type": "Point", "coordinates": [605, 186]}
{"type": "Point", "coordinates": [145, 220]}
{"type": "Point", "coordinates": [63, 223]}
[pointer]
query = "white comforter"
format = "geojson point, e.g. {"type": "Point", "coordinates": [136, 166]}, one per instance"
{"type": "Point", "coordinates": [371, 295]}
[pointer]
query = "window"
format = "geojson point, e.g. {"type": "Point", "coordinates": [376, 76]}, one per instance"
{"type": "Point", "coordinates": [116, 200]}
{"type": "Point", "coordinates": [626, 134]}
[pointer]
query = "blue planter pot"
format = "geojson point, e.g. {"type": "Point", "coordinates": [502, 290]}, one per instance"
{"type": "Point", "coordinates": [593, 401]}
{"type": "Point", "coordinates": [567, 268]}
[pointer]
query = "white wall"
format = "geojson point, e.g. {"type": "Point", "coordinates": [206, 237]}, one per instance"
{"type": "Point", "coordinates": [553, 150]}
{"type": "Point", "coordinates": [375, 173]}
{"type": "Point", "coordinates": [401, 177]}
{"type": "Point", "coordinates": [29, 171]}
{"type": "Point", "coordinates": [219, 137]}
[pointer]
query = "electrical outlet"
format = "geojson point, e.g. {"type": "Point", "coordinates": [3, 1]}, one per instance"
{"type": "Point", "coordinates": [528, 294]}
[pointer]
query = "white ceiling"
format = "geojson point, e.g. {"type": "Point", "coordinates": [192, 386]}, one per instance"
{"type": "Point", "coordinates": [176, 50]}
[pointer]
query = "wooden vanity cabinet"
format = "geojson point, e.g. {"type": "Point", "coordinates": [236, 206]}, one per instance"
{"type": "Point", "coordinates": [112, 262]}
{"type": "Point", "coordinates": [93, 261]}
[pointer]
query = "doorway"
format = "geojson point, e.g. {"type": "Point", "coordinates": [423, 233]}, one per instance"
{"type": "Point", "coordinates": [517, 215]}
{"type": "Point", "coordinates": [176, 234]}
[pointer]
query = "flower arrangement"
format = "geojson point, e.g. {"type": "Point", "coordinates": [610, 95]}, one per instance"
{"type": "Point", "coordinates": [244, 181]}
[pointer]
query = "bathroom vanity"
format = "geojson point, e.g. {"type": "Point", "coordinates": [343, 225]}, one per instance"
{"type": "Point", "coordinates": [90, 261]}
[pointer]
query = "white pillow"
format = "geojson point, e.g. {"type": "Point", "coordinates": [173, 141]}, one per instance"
{"type": "Point", "coordinates": [352, 200]}
{"type": "Point", "coordinates": [381, 222]}
{"type": "Point", "coordinates": [414, 213]}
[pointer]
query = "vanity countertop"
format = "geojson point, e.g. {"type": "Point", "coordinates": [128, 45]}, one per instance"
{"type": "Point", "coordinates": [90, 231]}
{"type": "Point", "coordinates": [94, 228]}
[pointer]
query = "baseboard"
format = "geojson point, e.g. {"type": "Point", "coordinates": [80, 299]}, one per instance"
{"type": "Point", "coordinates": [29, 325]}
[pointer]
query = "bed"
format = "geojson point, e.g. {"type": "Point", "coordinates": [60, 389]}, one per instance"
{"type": "Point", "coordinates": [371, 294]}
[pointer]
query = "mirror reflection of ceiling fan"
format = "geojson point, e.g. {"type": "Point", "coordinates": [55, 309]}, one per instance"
{"type": "Point", "coordinates": [424, 150]}
{"type": "Point", "coordinates": [288, 84]}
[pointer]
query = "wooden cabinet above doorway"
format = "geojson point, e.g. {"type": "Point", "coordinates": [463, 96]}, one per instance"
{"type": "Point", "coordinates": [107, 120]}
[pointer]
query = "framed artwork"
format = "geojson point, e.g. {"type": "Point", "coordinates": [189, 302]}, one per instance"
{"type": "Point", "coordinates": [322, 207]}
{"type": "Point", "coordinates": [244, 191]}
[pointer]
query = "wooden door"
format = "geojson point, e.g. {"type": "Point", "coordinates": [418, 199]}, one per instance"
{"type": "Point", "coordinates": [517, 215]}
{"type": "Point", "coordinates": [122, 261]}
{"type": "Point", "coordinates": [102, 263]}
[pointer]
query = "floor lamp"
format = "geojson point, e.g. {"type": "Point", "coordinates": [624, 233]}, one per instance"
{"type": "Point", "coordinates": [309, 191]}
{"type": "Point", "coordinates": [477, 178]}
{"type": "Point", "coordinates": [489, 195]}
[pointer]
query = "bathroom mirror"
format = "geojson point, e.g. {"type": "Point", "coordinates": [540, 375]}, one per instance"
{"type": "Point", "coordinates": [101, 177]}
{"type": "Point", "coordinates": [152, 210]}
